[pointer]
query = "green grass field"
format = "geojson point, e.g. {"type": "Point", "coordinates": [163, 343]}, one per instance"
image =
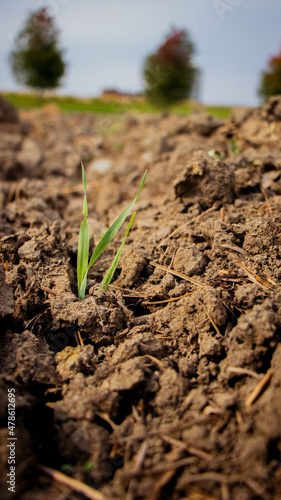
{"type": "Point", "coordinates": [96, 105]}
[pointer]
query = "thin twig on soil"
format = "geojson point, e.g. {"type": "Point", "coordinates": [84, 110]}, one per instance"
{"type": "Point", "coordinates": [27, 292]}
{"type": "Point", "coordinates": [189, 449]}
{"type": "Point", "coordinates": [176, 427]}
{"type": "Point", "coordinates": [173, 299]}
{"type": "Point", "coordinates": [81, 341]}
{"type": "Point", "coordinates": [194, 493]}
{"type": "Point", "coordinates": [267, 202]}
{"type": "Point", "coordinates": [72, 483]}
{"type": "Point", "coordinates": [139, 462]}
{"type": "Point", "coordinates": [166, 476]}
{"type": "Point", "coordinates": [217, 477]}
{"type": "Point", "coordinates": [11, 194]}
{"type": "Point", "coordinates": [210, 318]}
{"type": "Point", "coordinates": [171, 466]}
{"type": "Point", "coordinates": [48, 290]}
{"type": "Point", "coordinates": [176, 273]}
{"type": "Point", "coordinates": [225, 493]}
{"type": "Point", "coordinates": [160, 469]}
{"type": "Point", "coordinates": [199, 453]}
{"type": "Point", "coordinates": [259, 389]}
{"type": "Point", "coordinates": [162, 481]}
{"type": "Point", "coordinates": [131, 293]}
{"type": "Point", "coordinates": [159, 363]}
{"type": "Point", "coordinates": [235, 248]}
{"type": "Point", "coordinates": [34, 319]}
{"type": "Point", "coordinates": [243, 371]}
{"type": "Point", "coordinates": [265, 284]}
{"type": "Point", "coordinates": [138, 418]}
{"type": "Point", "coordinates": [104, 416]}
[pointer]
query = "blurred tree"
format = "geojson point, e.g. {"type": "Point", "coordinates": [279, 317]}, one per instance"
{"type": "Point", "coordinates": [271, 78]}
{"type": "Point", "coordinates": [36, 60]}
{"type": "Point", "coordinates": [168, 73]}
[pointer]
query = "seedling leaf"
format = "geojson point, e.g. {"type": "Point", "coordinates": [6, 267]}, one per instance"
{"type": "Point", "coordinates": [83, 252]}
{"type": "Point", "coordinates": [109, 275]}
{"type": "Point", "coordinates": [85, 205]}
{"type": "Point", "coordinates": [214, 153]}
{"type": "Point", "coordinates": [110, 233]}
{"type": "Point", "coordinates": [83, 243]}
{"type": "Point", "coordinates": [105, 240]}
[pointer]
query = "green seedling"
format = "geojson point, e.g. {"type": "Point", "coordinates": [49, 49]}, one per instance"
{"type": "Point", "coordinates": [66, 468]}
{"type": "Point", "coordinates": [214, 153]}
{"type": "Point", "coordinates": [234, 146]}
{"type": "Point", "coordinates": [83, 264]}
{"type": "Point", "coordinates": [86, 467]}
{"type": "Point", "coordinates": [119, 145]}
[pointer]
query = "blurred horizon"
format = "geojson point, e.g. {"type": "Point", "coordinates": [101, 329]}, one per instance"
{"type": "Point", "coordinates": [105, 44]}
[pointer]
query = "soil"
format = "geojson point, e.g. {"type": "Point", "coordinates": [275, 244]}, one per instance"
{"type": "Point", "coordinates": [168, 385]}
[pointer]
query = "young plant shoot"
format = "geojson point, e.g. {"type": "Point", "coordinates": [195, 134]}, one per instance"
{"type": "Point", "coordinates": [83, 264]}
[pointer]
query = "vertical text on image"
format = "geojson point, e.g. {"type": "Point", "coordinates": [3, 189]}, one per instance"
{"type": "Point", "coordinates": [11, 440]}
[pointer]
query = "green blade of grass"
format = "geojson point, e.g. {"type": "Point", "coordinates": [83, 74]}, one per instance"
{"type": "Point", "coordinates": [107, 237]}
{"type": "Point", "coordinates": [83, 253]}
{"type": "Point", "coordinates": [110, 233]}
{"type": "Point", "coordinates": [83, 243]}
{"type": "Point", "coordinates": [85, 205]}
{"type": "Point", "coordinates": [109, 275]}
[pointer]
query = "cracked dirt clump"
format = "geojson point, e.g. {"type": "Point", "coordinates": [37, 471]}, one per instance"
{"type": "Point", "coordinates": [205, 180]}
{"type": "Point", "coordinates": [167, 385]}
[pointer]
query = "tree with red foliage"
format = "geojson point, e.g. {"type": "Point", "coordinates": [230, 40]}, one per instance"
{"type": "Point", "coordinates": [168, 73]}
{"type": "Point", "coordinates": [36, 60]}
{"type": "Point", "coordinates": [271, 78]}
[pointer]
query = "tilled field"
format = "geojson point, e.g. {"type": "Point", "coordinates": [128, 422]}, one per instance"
{"type": "Point", "coordinates": [168, 385]}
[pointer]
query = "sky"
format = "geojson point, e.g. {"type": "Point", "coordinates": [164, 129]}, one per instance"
{"type": "Point", "coordinates": [106, 42]}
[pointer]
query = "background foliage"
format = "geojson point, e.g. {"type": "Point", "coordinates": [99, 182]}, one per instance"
{"type": "Point", "coordinates": [271, 78]}
{"type": "Point", "coordinates": [168, 73]}
{"type": "Point", "coordinates": [37, 61]}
